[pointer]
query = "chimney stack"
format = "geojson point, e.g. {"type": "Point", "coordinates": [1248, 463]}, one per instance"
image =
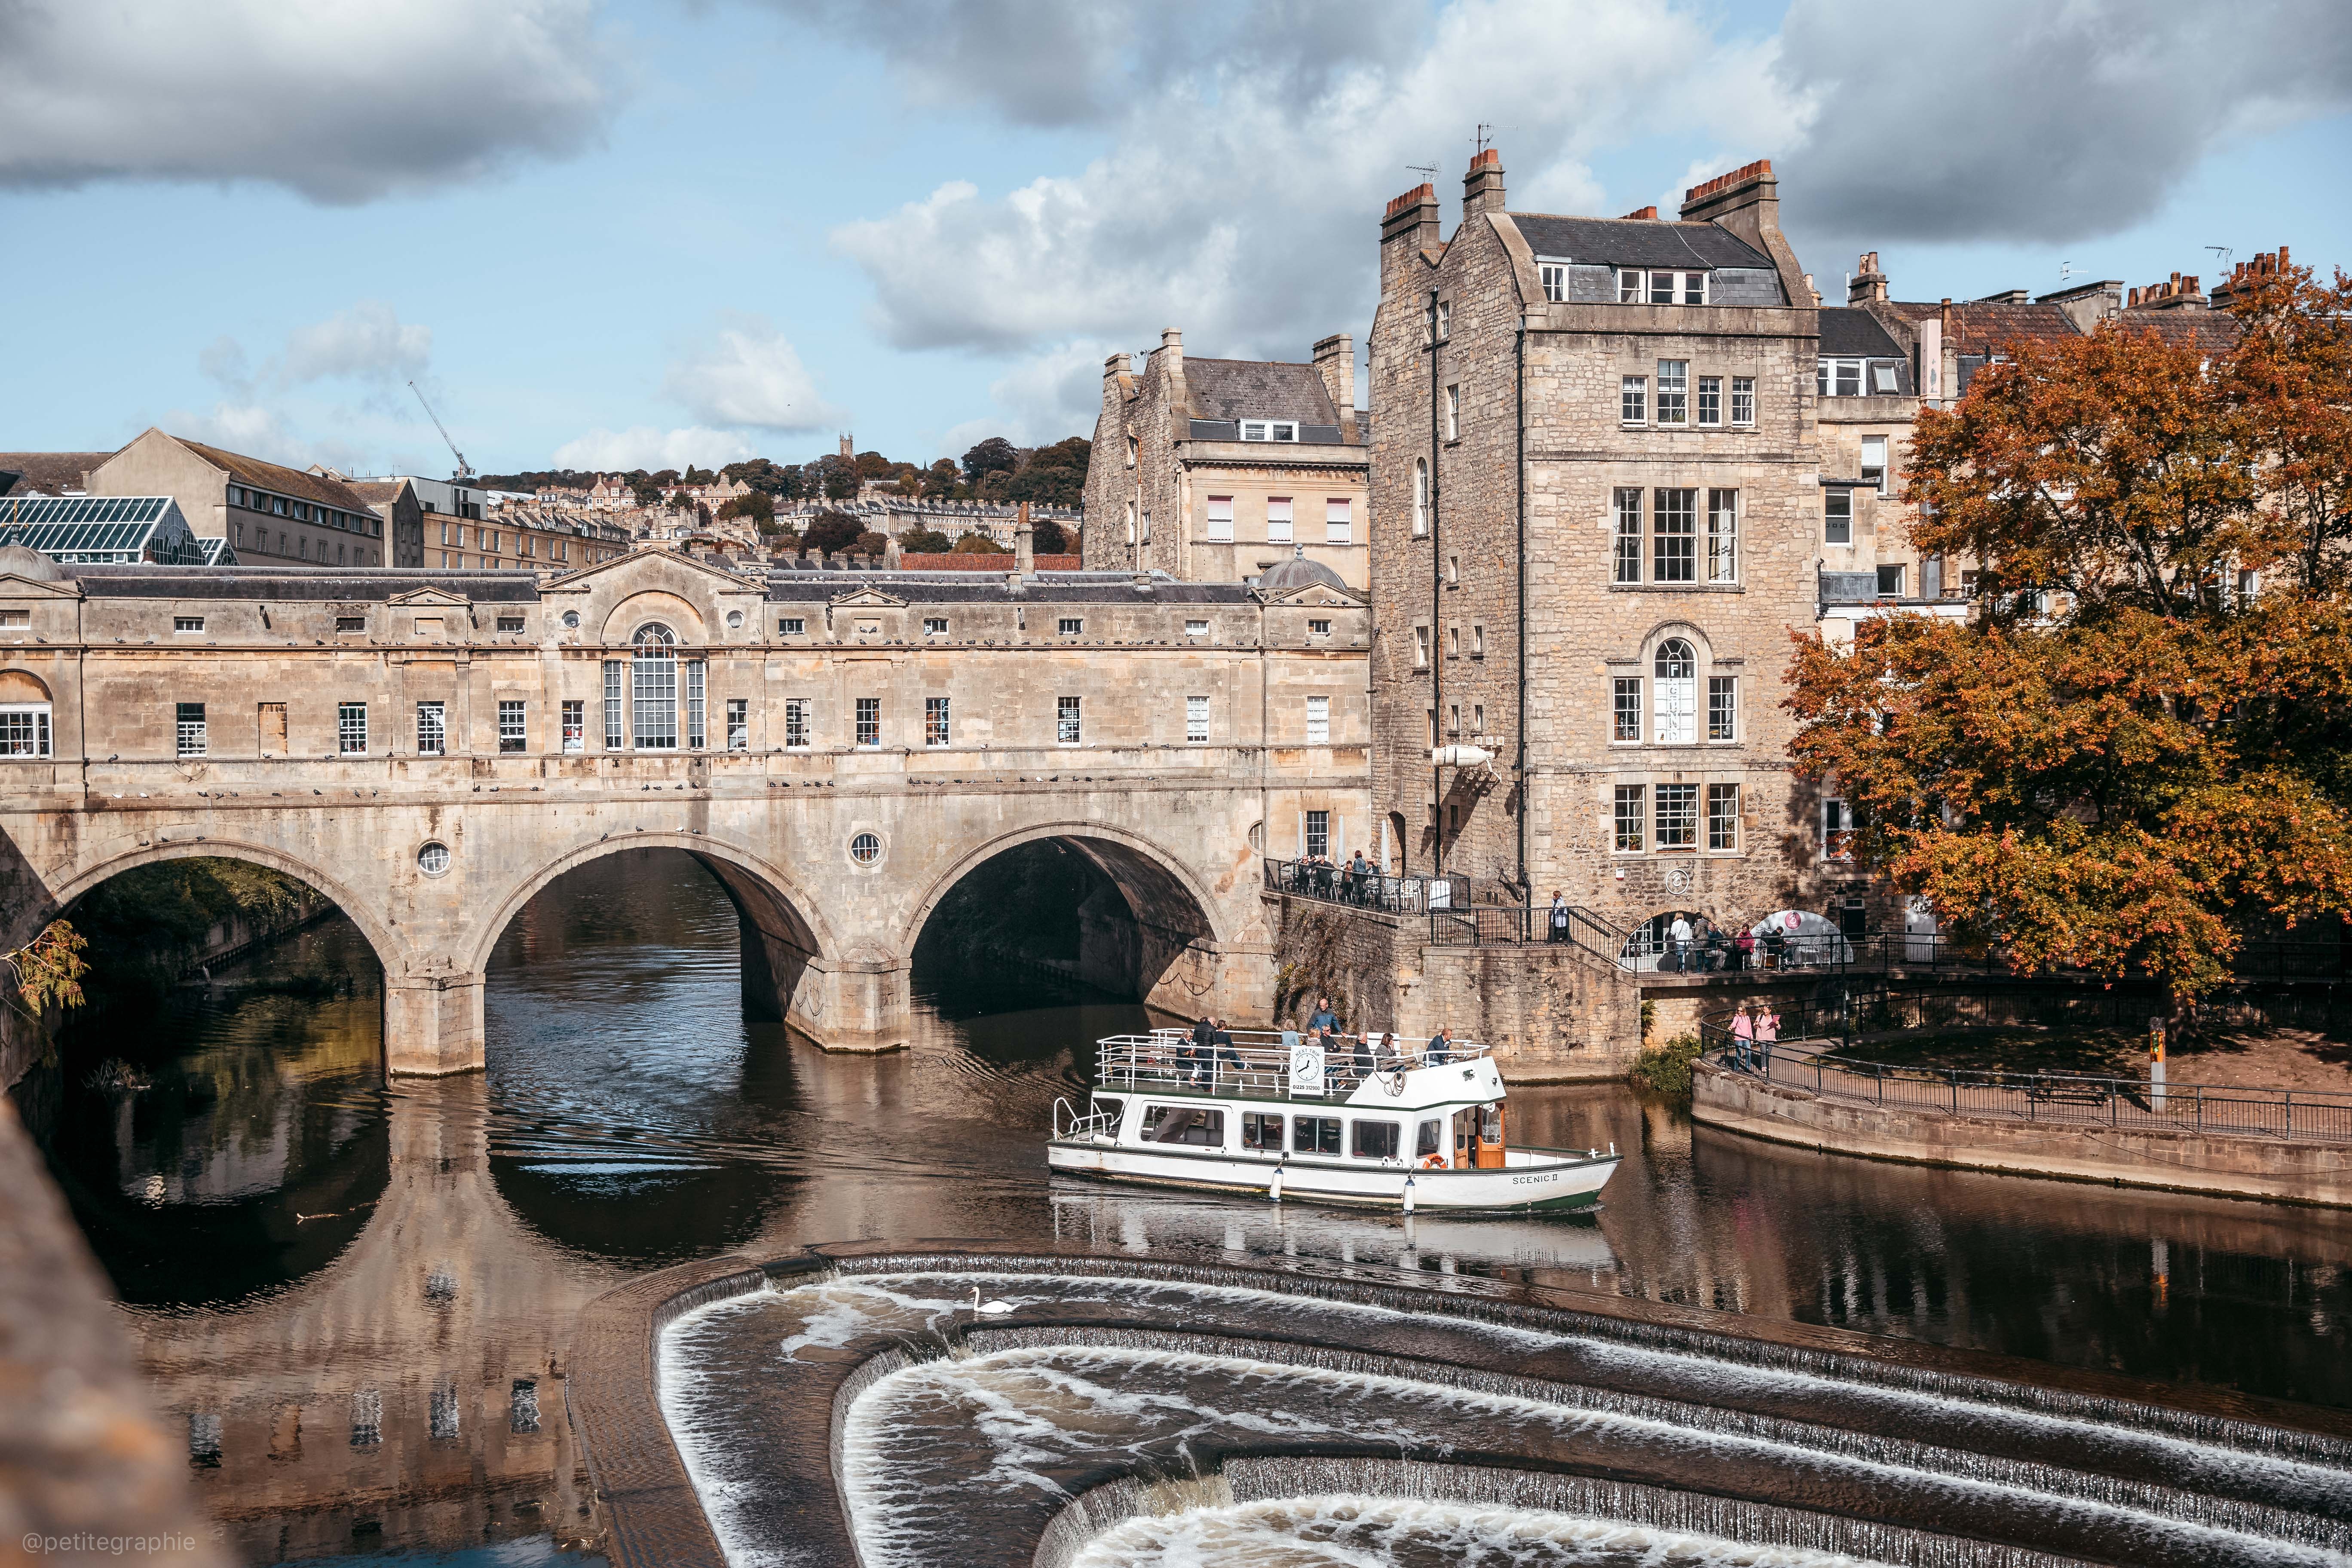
{"type": "Point", "coordinates": [1482, 187]}
{"type": "Point", "coordinates": [1409, 225]}
{"type": "Point", "coordinates": [1171, 352]}
{"type": "Point", "coordinates": [1747, 202]}
{"type": "Point", "coordinates": [1335, 362]}
{"type": "Point", "coordinates": [1649, 215]}
{"type": "Point", "coordinates": [1025, 542]}
{"type": "Point", "coordinates": [1867, 282]}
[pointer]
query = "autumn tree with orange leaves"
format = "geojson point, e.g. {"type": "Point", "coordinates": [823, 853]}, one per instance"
{"type": "Point", "coordinates": [2139, 748]}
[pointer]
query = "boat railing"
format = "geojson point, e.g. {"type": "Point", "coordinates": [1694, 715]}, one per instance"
{"type": "Point", "coordinates": [1069, 1123]}
{"type": "Point", "coordinates": [1258, 1063]}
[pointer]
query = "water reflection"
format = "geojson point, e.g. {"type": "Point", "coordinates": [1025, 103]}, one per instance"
{"type": "Point", "coordinates": [362, 1366]}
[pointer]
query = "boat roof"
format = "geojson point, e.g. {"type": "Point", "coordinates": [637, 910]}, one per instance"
{"type": "Point", "coordinates": [1163, 1064]}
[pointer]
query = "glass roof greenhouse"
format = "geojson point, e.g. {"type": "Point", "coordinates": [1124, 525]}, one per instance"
{"type": "Point", "coordinates": [106, 530]}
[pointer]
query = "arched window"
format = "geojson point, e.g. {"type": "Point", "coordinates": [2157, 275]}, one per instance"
{"type": "Point", "coordinates": [1420, 496]}
{"type": "Point", "coordinates": [653, 688]}
{"type": "Point", "coordinates": [1673, 696]}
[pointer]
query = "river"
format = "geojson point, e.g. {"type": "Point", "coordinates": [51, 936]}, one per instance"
{"type": "Point", "coordinates": [355, 1296]}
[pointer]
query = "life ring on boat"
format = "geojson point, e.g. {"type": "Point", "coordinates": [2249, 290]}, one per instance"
{"type": "Point", "coordinates": [1434, 1163]}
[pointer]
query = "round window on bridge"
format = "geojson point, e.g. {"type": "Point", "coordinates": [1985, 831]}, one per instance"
{"type": "Point", "coordinates": [865, 848]}
{"type": "Point", "coordinates": [734, 620]}
{"type": "Point", "coordinates": [432, 858]}
{"type": "Point", "coordinates": [571, 619]}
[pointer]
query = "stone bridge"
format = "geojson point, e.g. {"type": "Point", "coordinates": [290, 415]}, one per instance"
{"type": "Point", "coordinates": [430, 749]}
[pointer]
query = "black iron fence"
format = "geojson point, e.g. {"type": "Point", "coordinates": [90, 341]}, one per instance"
{"type": "Point", "coordinates": [1337, 884]}
{"type": "Point", "coordinates": [2306, 1116]}
{"type": "Point", "coordinates": [1481, 925]}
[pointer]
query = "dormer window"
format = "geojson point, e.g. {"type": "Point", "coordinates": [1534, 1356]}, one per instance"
{"type": "Point", "coordinates": [1269, 430]}
{"type": "Point", "coordinates": [1554, 275]}
{"type": "Point", "coordinates": [1840, 378]}
{"type": "Point", "coordinates": [1635, 287]}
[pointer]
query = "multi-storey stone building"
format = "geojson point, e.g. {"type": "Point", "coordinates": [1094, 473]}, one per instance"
{"type": "Point", "coordinates": [267, 513]}
{"type": "Point", "coordinates": [1214, 469]}
{"type": "Point", "coordinates": [1598, 517]}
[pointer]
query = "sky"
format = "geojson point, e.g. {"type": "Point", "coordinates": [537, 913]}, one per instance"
{"type": "Point", "coordinates": [624, 233]}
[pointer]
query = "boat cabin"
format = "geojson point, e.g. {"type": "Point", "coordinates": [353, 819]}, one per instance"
{"type": "Point", "coordinates": [1270, 1097]}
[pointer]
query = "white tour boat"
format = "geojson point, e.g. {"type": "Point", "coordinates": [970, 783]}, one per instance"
{"type": "Point", "coordinates": [1292, 1121]}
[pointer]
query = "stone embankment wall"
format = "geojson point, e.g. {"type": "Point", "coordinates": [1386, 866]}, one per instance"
{"type": "Point", "coordinates": [1552, 1013]}
{"type": "Point", "coordinates": [2233, 1166]}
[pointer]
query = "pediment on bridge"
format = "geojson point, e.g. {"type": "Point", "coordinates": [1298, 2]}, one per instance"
{"type": "Point", "coordinates": [14, 586]}
{"type": "Point", "coordinates": [867, 599]}
{"type": "Point", "coordinates": [1315, 596]}
{"type": "Point", "coordinates": [436, 598]}
{"type": "Point", "coordinates": [661, 563]}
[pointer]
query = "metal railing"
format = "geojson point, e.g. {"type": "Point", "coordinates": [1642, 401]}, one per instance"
{"type": "Point", "coordinates": [1484, 925]}
{"type": "Point", "coordinates": [1334, 884]}
{"type": "Point", "coordinates": [2307, 1116]}
{"type": "Point", "coordinates": [1257, 1065]}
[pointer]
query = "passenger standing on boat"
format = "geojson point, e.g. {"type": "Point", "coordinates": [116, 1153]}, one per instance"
{"type": "Point", "coordinates": [1441, 1048]}
{"type": "Point", "coordinates": [1365, 1058]}
{"type": "Point", "coordinates": [1222, 1042]}
{"type": "Point", "coordinates": [1559, 917]}
{"type": "Point", "coordinates": [1323, 1018]}
{"type": "Point", "coordinates": [1197, 1055]}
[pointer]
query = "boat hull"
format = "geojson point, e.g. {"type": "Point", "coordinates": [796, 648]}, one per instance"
{"type": "Point", "coordinates": [1537, 1184]}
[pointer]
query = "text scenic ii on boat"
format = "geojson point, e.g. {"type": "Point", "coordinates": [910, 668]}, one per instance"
{"type": "Point", "coordinates": [1357, 1124]}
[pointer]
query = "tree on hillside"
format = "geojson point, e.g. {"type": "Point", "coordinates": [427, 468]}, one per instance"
{"type": "Point", "coordinates": [874, 466]}
{"type": "Point", "coordinates": [771, 479]}
{"type": "Point", "coordinates": [925, 542]}
{"type": "Point", "coordinates": [833, 477]}
{"type": "Point", "coordinates": [832, 532]}
{"type": "Point", "coordinates": [2128, 757]}
{"type": "Point", "coordinates": [943, 481]}
{"type": "Point", "coordinates": [995, 454]}
{"type": "Point", "coordinates": [979, 544]}
{"type": "Point", "coordinates": [1046, 537]}
{"type": "Point", "coordinates": [756, 506]}
{"type": "Point", "coordinates": [1055, 475]}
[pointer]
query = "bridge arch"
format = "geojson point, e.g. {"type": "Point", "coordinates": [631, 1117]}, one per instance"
{"type": "Point", "coordinates": [389, 949]}
{"type": "Point", "coordinates": [1169, 955]}
{"type": "Point", "coordinates": [784, 928]}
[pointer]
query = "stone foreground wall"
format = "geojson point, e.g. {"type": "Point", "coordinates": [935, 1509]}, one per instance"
{"type": "Point", "coordinates": [1552, 1013]}
{"type": "Point", "coordinates": [2233, 1166]}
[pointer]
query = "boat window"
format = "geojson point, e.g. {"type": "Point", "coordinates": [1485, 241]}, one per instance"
{"type": "Point", "coordinates": [1431, 1140]}
{"type": "Point", "coordinates": [1184, 1124]}
{"type": "Point", "coordinates": [1314, 1135]}
{"type": "Point", "coordinates": [1376, 1140]}
{"type": "Point", "coordinates": [1110, 1106]}
{"type": "Point", "coordinates": [1261, 1130]}
{"type": "Point", "coordinates": [1490, 1123]}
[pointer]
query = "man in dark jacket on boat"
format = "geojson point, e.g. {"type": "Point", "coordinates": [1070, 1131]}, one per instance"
{"type": "Point", "coordinates": [1323, 1018]}
{"type": "Point", "coordinates": [1197, 1055]}
{"type": "Point", "coordinates": [1441, 1048]}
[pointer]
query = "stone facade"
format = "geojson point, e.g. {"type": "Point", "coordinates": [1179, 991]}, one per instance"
{"type": "Point", "coordinates": [270, 514]}
{"type": "Point", "coordinates": [1642, 477]}
{"type": "Point", "coordinates": [529, 537]}
{"type": "Point", "coordinates": [1197, 461]}
{"type": "Point", "coordinates": [429, 749]}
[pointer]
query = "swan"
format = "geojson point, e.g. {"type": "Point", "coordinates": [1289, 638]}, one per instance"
{"type": "Point", "coordinates": [989, 1309]}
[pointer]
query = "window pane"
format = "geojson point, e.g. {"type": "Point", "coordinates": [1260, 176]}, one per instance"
{"type": "Point", "coordinates": [1196, 719]}
{"type": "Point", "coordinates": [938, 729]}
{"type": "Point", "coordinates": [1673, 390]}
{"type": "Point", "coordinates": [1723, 816]}
{"type": "Point", "coordinates": [1338, 521]}
{"type": "Point", "coordinates": [1710, 400]}
{"type": "Point", "coordinates": [1629, 819]}
{"type": "Point", "coordinates": [1674, 526]}
{"type": "Point", "coordinates": [1628, 701]}
{"type": "Point", "coordinates": [1677, 817]}
{"type": "Point", "coordinates": [1634, 399]}
{"type": "Point", "coordinates": [1629, 536]}
{"type": "Point", "coordinates": [869, 721]}
{"type": "Point", "coordinates": [1837, 516]}
{"type": "Point", "coordinates": [1319, 834]}
{"type": "Point", "coordinates": [1723, 536]}
{"type": "Point", "coordinates": [1675, 677]}
{"type": "Point", "coordinates": [613, 705]}
{"type": "Point", "coordinates": [796, 721]}
{"type": "Point", "coordinates": [1221, 517]}
{"type": "Point", "coordinates": [1722, 707]}
{"type": "Point", "coordinates": [351, 727]}
{"type": "Point", "coordinates": [1743, 400]}
{"type": "Point", "coordinates": [1629, 288]}
{"type": "Point", "coordinates": [652, 691]}
{"type": "Point", "coordinates": [1277, 519]}
{"type": "Point", "coordinates": [511, 729]}
{"type": "Point", "coordinates": [1066, 720]}
{"type": "Point", "coordinates": [1319, 721]}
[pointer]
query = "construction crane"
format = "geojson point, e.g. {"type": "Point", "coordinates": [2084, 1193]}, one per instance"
{"type": "Point", "coordinates": [465, 470]}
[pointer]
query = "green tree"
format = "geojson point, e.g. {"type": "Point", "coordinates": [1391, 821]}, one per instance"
{"type": "Point", "coordinates": [757, 505]}
{"type": "Point", "coordinates": [831, 532]}
{"type": "Point", "coordinates": [1046, 537]}
{"type": "Point", "coordinates": [1055, 475]}
{"type": "Point", "coordinates": [979, 544]}
{"type": "Point", "coordinates": [925, 542]}
{"type": "Point", "coordinates": [994, 455]}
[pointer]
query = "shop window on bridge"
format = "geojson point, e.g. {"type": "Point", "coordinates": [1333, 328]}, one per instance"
{"type": "Point", "coordinates": [575, 724]}
{"type": "Point", "coordinates": [652, 689]}
{"type": "Point", "coordinates": [613, 730]}
{"type": "Point", "coordinates": [512, 730]}
{"type": "Point", "coordinates": [23, 730]}
{"type": "Point", "coordinates": [869, 721]}
{"type": "Point", "coordinates": [738, 723]}
{"type": "Point", "coordinates": [432, 729]}
{"type": "Point", "coordinates": [352, 728]}
{"type": "Point", "coordinates": [698, 729]}
{"type": "Point", "coordinates": [194, 737]}
{"type": "Point", "coordinates": [1190, 1125]}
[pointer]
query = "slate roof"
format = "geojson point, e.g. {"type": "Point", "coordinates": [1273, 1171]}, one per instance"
{"type": "Point", "coordinates": [1980, 327]}
{"type": "Point", "coordinates": [1045, 588]}
{"type": "Point", "coordinates": [274, 583]}
{"type": "Point", "coordinates": [2214, 332]}
{"type": "Point", "coordinates": [1636, 242]}
{"type": "Point", "coordinates": [51, 473]}
{"type": "Point", "coordinates": [376, 492]}
{"type": "Point", "coordinates": [279, 478]}
{"type": "Point", "coordinates": [1850, 333]}
{"type": "Point", "coordinates": [1257, 389]}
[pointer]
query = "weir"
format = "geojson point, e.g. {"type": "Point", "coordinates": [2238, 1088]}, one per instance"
{"type": "Point", "coordinates": [1191, 1390]}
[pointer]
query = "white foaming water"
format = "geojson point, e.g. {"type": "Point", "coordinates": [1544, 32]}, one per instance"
{"type": "Point", "coordinates": [1387, 1533]}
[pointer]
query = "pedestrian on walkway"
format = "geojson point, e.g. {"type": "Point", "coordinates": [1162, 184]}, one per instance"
{"type": "Point", "coordinates": [1559, 917]}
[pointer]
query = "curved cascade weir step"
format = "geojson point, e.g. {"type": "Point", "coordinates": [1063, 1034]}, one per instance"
{"type": "Point", "coordinates": [1164, 1414]}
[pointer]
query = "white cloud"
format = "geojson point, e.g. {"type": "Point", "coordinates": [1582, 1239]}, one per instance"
{"type": "Point", "coordinates": [748, 374]}
{"type": "Point", "coordinates": [2017, 120]}
{"type": "Point", "coordinates": [648, 447]}
{"type": "Point", "coordinates": [368, 342]}
{"type": "Point", "coordinates": [342, 103]}
{"type": "Point", "coordinates": [257, 431]}
{"type": "Point", "coordinates": [1241, 196]}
